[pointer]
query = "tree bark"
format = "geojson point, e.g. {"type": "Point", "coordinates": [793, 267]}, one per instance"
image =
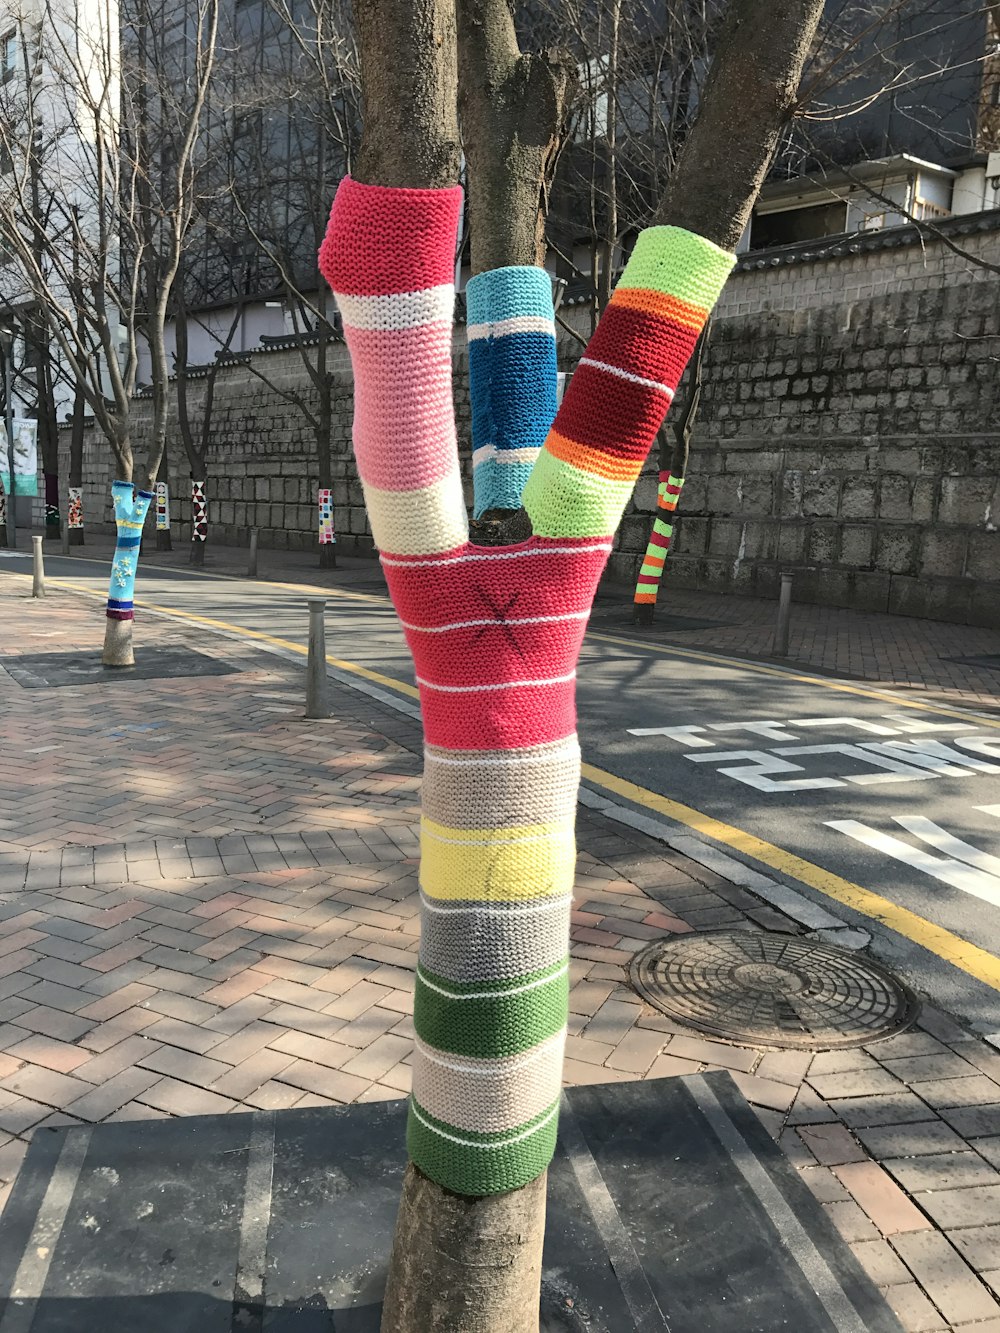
{"type": "Point", "coordinates": [512, 109]}
{"type": "Point", "coordinates": [409, 74]}
{"type": "Point", "coordinates": [463, 1265]}
{"type": "Point", "coordinates": [748, 98]}
{"type": "Point", "coordinates": [76, 533]}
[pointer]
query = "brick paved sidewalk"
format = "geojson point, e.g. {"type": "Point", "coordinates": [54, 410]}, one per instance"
{"type": "Point", "coordinates": [209, 905]}
{"type": "Point", "coordinates": [898, 651]}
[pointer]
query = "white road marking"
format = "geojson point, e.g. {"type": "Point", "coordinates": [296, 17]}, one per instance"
{"type": "Point", "coordinates": [959, 874]}
{"type": "Point", "coordinates": [874, 727]}
{"type": "Point", "coordinates": [759, 765]}
{"type": "Point", "coordinates": [684, 735]}
{"type": "Point", "coordinates": [770, 731]}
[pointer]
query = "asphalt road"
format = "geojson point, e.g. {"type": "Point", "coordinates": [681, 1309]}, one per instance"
{"type": "Point", "coordinates": [820, 783]}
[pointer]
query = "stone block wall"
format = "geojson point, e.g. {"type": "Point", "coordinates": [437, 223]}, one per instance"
{"type": "Point", "coordinates": [849, 430]}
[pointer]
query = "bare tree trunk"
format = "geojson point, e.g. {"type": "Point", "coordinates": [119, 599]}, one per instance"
{"type": "Point", "coordinates": [512, 109]}
{"type": "Point", "coordinates": [74, 504]}
{"type": "Point", "coordinates": [747, 100]}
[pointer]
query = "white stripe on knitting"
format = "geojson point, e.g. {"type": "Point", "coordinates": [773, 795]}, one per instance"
{"type": "Point", "coordinates": [490, 453]}
{"type": "Point", "coordinates": [474, 1143]}
{"type": "Point", "coordinates": [500, 328]}
{"type": "Point", "coordinates": [493, 1068]}
{"type": "Point", "coordinates": [494, 555]}
{"type": "Point", "coordinates": [493, 994]}
{"type": "Point", "coordinates": [567, 752]}
{"type": "Point", "coordinates": [496, 842]}
{"type": "Point", "coordinates": [404, 310]}
{"type": "Point", "coordinates": [514, 620]}
{"type": "Point", "coordinates": [498, 685]}
{"type": "Point", "coordinates": [550, 905]}
{"type": "Point", "coordinates": [627, 375]}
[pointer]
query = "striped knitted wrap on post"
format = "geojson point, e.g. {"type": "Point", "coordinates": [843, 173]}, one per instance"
{"type": "Point", "coordinates": [512, 379]}
{"type": "Point", "coordinates": [131, 507]}
{"type": "Point", "coordinates": [495, 635]}
{"type": "Point", "coordinates": [658, 548]}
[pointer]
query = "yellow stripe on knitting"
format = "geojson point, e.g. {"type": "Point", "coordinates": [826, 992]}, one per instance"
{"type": "Point", "coordinates": [123, 524]}
{"type": "Point", "coordinates": [497, 865]}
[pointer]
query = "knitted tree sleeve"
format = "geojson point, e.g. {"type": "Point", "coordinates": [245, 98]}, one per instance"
{"type": "Point", "coordinates": [131, 507]}
{"type": "Point", "coordinates": [495, 635]}
{"type": "Point", "coordinates": [658, 548]}
{"type": "Point", "coordinates": [512, 379]}
{"type": "Point", "coordinates": [624, 383]}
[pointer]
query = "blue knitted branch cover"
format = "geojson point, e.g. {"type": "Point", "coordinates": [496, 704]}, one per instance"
{"type": "Point", "coordinates": [512, 379]}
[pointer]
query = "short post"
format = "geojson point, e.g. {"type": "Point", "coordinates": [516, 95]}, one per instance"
{"type": "Point", "coordinates": [252, 562]}
{"type": "Point", "coordinates": [317, 702]}
{"type": "Point", "coordinates": [780, 647]}
{"type": "Point", "coordinates": [37, 569]}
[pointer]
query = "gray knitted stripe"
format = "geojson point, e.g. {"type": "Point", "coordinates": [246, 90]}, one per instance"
{"type": "Point", "coordinates": [488, 1096]}
{"type": "Point", "coordinates": [490, 789]}
{"type": "Point", "coordinates": [492, 941]}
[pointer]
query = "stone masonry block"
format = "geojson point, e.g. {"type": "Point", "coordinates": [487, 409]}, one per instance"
{"type": "Point", "coordinates": [858, 497]}
{"type": "Point", "coordinates": [984, 558]}
{"type": "Point", "coordinates": [857, 543]}
{"type": "Point", "coordinates": [820, 495]}
{"type": "Point", "coordinates": [895, 549]}
{"type": "Point", "coordinates": [967, 500]}
{"type": "Point", "coordinates": [943, 552]}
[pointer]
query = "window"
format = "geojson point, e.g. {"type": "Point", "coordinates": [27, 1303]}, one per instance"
{"type": "Point", "coordinates": [8, 56]}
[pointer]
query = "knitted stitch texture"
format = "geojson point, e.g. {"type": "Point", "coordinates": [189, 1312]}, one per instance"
{"type": "Point", "coordinates": [658, 548]}
{"type": "Point", "coordinates": [131, 506]}
{"type": "Point", "coordinates": [512, 379]}
{"type": "Point", "coordinates": [495, 635]}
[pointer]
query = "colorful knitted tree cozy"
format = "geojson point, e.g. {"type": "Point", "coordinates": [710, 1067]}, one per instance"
{"type": "Point", "coordinates": [131, 507]}
{"type": "Point", "coordinates": [495, 635]}
{"type": "Point", "coordinates": [668, 494]}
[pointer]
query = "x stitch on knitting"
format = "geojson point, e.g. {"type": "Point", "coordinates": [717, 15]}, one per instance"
{"type": "Point", "coordinates": [495, 636]}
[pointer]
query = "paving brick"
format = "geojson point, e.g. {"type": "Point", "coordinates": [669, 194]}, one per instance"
{"type": "Point", "coordinates": [247, 1078]}
{"type": "Point", "coordinates": [106, 1035]}
{"type": "Point", "coordinates": [785, 1066]}
{"type": "Point", "coordinates": [332, 1083]}
{"type": "Point", "coordinates": [316, 1049]}
{"type": "Point", "coordinates": [920, 1069]}
{"type": "Point", "coordinates": [880, 1263]}
{"type": "Point", "coordinates": [184, 1065]}
{"type": "Point", "coordinates": [838, 1062]}
{"type": "Point", "coordinates": [809, 1109]}
{"type": "Point", "coordinates": [832, 1144]}
{"type": "Point", "coordinates": [637, 1051]}
{"type": "Point", "coordinates": [914, 1140]}
{"type": "Point", "coordinates": [45, 1085]}
{"type": "Point", "coordinates": [913, 1310]}
{"type": "Point", "coordinates": [114, 1093]}
{"type": "Point", "coordinates": [951, 1092]}
{"type": "Point", "coordinates": [979, 1246]}
{"type": "Point", "coordinates": [881, 1198]}
{"type": "Point", "coordinates": [672, 1066]}
{"type": "Point", "coordinates": [973, 1122]}
{"type": "Point", "coordinates": [899, 1108]}
{"type": "Point", "coordinates": [581, 1073]}
{"type": "Point", "coordinates": [974, 1206]}
{"type": "Point", "coordinates": [273, 1096]}
{"type": "Point", "coordinates": [850, 1221]}
{"type": "Point", "coordinates": [945, 1277]}
{"type": "Point", "coordinates": [854, 1083]}
{"type": "Point", "coordinates": [54, 1023]}
{"type": "Point", "coordinates": [56, 1055]}
{"type": "Point", "coordinates": [824, 1184]}
{"type": "Point", "coordinates": [942, 1171]}
{"type": "Point", "coordinates": [183, 1099]}
{"type": "Point", "coordinates": [19, 1115]}
{"type": "Point", "coordinates": [363, 1031]}
{"type": "Point", "coordinates": [190, 1038]}
{"type": "Point", "coordinates": [376, 1060]}
{"type": "Point", "coordinates": [713, 1053]}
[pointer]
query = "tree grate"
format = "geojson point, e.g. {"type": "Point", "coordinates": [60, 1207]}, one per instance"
{"type": "Point", "coordinates": [775, 992]}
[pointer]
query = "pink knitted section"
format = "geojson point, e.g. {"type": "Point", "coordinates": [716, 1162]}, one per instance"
{"type": "Point", "coordinates": [406, 439]}
{"type": "Point", "coordinates": [382, 240]}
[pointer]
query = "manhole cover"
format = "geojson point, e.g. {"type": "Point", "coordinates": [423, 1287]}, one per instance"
{"type": "Point", "coordinates": [774, 991]}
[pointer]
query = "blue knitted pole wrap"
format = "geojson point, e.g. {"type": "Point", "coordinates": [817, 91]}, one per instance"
{"type": "Point", "coordinates": [131, 506]}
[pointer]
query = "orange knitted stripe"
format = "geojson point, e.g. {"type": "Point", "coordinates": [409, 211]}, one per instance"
{"type": "Point", "coordinates": [666, 307]}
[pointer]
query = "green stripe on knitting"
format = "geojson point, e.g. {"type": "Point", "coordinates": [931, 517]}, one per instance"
{"type": "Point", "coordinates": [564, 501]}
{"type": "Point", "coordinates": [678, 263]}
{"type": "Point", "coordinates": [663, 529]}
{"type": "Point", "coordinates": [489, 1025]}
{"type": "Point", "coordinates": [480, 1163]}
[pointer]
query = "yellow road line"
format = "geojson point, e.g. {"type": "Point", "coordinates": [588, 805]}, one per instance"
{"type": "Point", "coordinates": [353, 667]}
{"type": "Point", "coordinates": [970, 958]}
{"type": "Point", "coordinates": [841, 686]}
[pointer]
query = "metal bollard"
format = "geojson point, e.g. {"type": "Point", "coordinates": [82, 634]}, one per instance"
{"type": "Point", "coordinates": [780, 647]}
{"type": "Point", "coordinates": [252, 562]}
{"type": "Point", "coordinates": [38, 569]}
{"type": "Point", "coordinates": [317, 701]}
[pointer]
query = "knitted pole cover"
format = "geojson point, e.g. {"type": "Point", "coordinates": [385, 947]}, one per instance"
{"type": "Point", "coordinates": [327, 536]}
{"type": "Point", "coordinates": [74, 507]}
{"type": "Point", "coordinates": [131, 506]}
{"type": "Point", "coordinates": [495, 635]}
{"type": "Point", "coordinates": [199, 512]}
{"type": "Point", "coordinates": [512, 379]}
{"type": "Point", "coordinates": [162, 507]}
{"type": "Point", "coordinates": [648, 585]}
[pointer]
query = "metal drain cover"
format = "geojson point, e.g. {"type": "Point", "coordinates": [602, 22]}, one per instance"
{"type": "Point", "coordinates": [772, 991]}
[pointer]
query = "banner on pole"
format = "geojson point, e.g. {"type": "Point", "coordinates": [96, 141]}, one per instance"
{"type": "Point", "coordinates": [25, 458]}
